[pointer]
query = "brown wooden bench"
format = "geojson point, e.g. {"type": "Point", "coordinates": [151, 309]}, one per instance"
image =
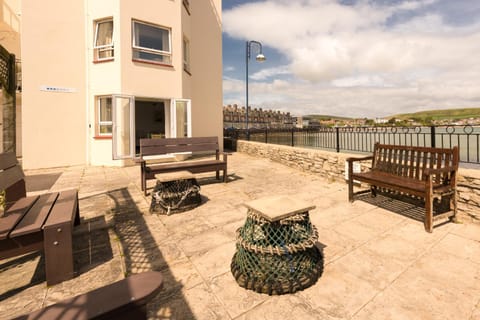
{"type": "Point", "coordinates": [37, 223]}
{"type": "Point", "coordinates": [124, 299]}
{"type": "Point", "coordinates": [428, 173]}
{"type": "Point", "coordinates": [157, 147]}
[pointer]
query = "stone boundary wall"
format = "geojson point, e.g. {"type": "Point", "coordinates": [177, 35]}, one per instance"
{"type": "Point", "coordinates": [331, 165]}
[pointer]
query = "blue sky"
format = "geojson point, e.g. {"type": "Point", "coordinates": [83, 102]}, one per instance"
{"type": "Point", "coordinates": [356, 58]}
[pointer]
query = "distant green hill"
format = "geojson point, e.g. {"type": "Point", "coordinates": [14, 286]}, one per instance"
{"type": "Point", "coordinates": [447, 114]}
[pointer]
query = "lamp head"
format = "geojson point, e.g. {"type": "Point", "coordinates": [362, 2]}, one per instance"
{"type": "Point", "coordinates": [260, 57]}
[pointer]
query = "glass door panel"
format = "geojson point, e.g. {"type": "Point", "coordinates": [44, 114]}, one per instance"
{"type": "Point", "coordinates": [123, 127]}
{"type": "Point", "coordinates": [181, 123]}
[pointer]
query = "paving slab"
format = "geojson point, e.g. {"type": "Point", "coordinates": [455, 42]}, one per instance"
{"type": "Point", "coordinates": [379, 263]}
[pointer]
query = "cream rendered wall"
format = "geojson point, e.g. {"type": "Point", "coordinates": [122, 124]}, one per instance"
{"type": "Point", "coordinates": [206, 66]}
{"type": "Point", "coordinates": [103, 78]}
{"type": "Point", "coordinates": [144, 79]}
{"type": "Point", "coordinates": [53, 54]}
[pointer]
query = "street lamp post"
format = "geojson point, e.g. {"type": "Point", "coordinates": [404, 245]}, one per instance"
{"type": "Point", "coordinates": [260, 58]}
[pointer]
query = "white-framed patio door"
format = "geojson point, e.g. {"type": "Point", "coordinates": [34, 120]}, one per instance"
{"type": "Point", "coordinates": [180, 118]}
{"type": "Point", "coordinates": [123, 135]}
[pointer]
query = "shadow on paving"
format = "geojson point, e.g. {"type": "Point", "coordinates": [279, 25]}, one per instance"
{"type": "Point", "coordinates": [90, 249]}
{"type": "Point", "coordinates": [406, 206]}
{"type": "Point", "coordinates": [39, 182]}
{"type": "Point", "coordinates": [38, 275]}
{"type": "Point", "coordinates": [141, 254]}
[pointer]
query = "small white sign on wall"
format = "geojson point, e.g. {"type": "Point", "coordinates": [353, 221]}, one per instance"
{"type": "Point", "coordinates": [57, 89]}
{"type": "Point", "coordinates": [356, 168]}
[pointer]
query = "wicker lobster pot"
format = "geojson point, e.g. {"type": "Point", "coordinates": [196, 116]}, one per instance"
{"type": "Point", "coordinates": [277, 257]}
{"type": "Point", "coordinates": [175, 193]}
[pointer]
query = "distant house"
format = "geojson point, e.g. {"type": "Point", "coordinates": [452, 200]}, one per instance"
{"type": "Point", "coordinates": [100, 75]}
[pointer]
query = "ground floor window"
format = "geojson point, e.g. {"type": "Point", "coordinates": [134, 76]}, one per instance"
{"type": "Point", "coordinates": [104, 116]}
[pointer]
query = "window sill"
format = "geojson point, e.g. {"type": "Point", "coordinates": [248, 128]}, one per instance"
{"type": "Point", "coordinates": [153, 62]}
{"type": "Point", "coordinates": [103, 60]}
{"type": "Point", "coordinates": [102, 138]}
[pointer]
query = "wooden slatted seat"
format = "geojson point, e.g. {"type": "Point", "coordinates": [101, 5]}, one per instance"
{"type": "Point", "coordinates": [124, 299]}
{"type": "Point", "coordinates": [161, 147]}
{"type": "Point", "coordinates": [37, 223]}
{"type": "Point", "coordinates": [428, 173]}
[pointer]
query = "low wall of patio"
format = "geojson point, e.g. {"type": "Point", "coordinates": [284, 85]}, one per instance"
{"type": "Point", "coordinates": [331, 165]}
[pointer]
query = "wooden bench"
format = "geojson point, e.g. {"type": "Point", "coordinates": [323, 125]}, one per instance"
{"type": "Point", "coordinates": [37, 223]}
{"type": "Point", "coordinates": [428, 173]}
{"type": "Point", "coordinates": [124, 299]}
{"type": "Point", "coordinates": [157, 147]}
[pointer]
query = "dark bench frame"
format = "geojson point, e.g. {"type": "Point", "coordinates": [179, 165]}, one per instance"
{"type": "Point", "coordinates": [124, 299]}
{"type": "Point", "coordinates": [155, 147]}
{"type": "Point", "coordinates": [37, 223]}
{"type": "Point", "coordinates": [429, 173]}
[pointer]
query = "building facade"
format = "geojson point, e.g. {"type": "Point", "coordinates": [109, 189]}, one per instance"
{"type": "Point", "coordinates": [236, 117]}
{"type": "Point", "coordinates": [100, 75]}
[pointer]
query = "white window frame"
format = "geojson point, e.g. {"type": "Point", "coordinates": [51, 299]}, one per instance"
{"type": "Point", "coordinates": [173, 117]}
{"type": "Point", "coordinates": [101, 123]}
{"type": "Point", "coordinates": [102, 48]}
{"type": "Point", "coordinates": [186, 54]}
{"type": "Point", "coordinates": [160, 53]}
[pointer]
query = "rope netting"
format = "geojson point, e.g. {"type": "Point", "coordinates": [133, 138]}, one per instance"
{"type": "Point", "coordinates": [175, 196]}
{"type": "Point", "coordinates": [277, 257]}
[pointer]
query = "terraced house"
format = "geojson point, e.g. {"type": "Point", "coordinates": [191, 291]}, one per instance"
{"type": "Point", "coordinates": [100, 75]}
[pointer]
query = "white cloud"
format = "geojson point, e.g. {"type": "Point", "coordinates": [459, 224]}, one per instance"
{"type": "Point", "coordinates": [269, 73]}
{"type": "Point", "coordinates": [336, 49]}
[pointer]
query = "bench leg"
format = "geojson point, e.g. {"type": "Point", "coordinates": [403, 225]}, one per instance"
{"type": "Point", "coordinates": [218, 174]}
{"type": "Point", "coordinates": [225, 178]}
{"type": "Point", "coordinates": [350, 190]}
{"type": "Point", "coordinates": [58, 253]}
{"type": "Point", "coordinates": [428, 222]}
{"type": "Point", "coordinates": [453, 204]}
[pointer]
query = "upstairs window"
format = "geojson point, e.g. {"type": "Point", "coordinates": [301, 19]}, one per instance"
{"type": "Point", "coordinates": [103, 45]}
{"type": "Point", "coordinates": [186, 55]}
{"type": "Point", "coordinates": [151, 43]}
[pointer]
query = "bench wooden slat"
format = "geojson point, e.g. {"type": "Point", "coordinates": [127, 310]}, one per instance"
{"type": "Point", "coordinates": [156, 147]}
{"type": "Point", "coordinates": [124, 299]}
{"type": "Point", "coordinates": [419, 171]}
{"type": "Point", "coordinates": [154, 150]}
{"type": "Point", "coordinates": [177, 141]}
{"type": "Point", "coordinates": [7, 160]}
{"type": "Point", "coordinates": [64, 209]}
{"type": "Point", "coordinates": [36, 216]}
{"type": "Point", "coordinates": [14, 214]}
{"type": "Point", "coordinates": [10, 177]}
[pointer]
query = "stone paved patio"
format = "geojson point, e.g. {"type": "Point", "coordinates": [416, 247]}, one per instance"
{"type": "Point", "coordinates": [379, 264]}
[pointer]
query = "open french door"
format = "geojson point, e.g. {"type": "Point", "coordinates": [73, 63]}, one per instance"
{"type": "Point", "coordinates": [180, 118]}
{"type": "Point", "coordinates": [123, 137]}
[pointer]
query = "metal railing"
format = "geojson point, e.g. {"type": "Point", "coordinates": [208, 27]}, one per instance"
{"type": "Point", "coordinates": [362, 139]}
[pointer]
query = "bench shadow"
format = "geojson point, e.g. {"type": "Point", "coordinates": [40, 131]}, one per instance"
{"type": "Point", "coordinates": [141, 254]}
{"type": "Point", "coordinates": [39, 182]}
{"type": "Point", "coordinates": [38, 275]}
{"type": "Point", "coordinates": [91, 247]}
{"type": "Point", "coordinates": [413, 208]}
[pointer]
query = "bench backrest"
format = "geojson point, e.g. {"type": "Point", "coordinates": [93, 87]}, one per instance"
{"type": "Point", "coordinates": [11, 177]}
{"type": "Point", "coordinates": [149, 147]}
{"type": "Point", "coordinates": [408, 161]}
